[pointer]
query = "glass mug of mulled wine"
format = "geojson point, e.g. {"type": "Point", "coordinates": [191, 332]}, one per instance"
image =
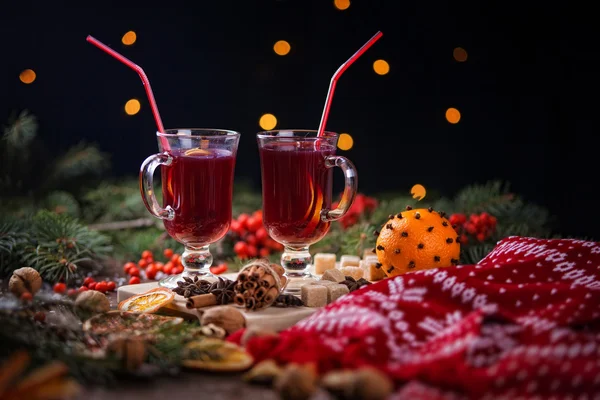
{"type": "Point", "coordinates": [297, 180]}
{"type": "Point", "coordinates": [197, 172]}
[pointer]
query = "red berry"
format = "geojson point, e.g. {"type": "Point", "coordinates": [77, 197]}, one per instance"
{"type": "Point", "coordinates": [159, 266]}
{"type": "Point", "coordinates": [167, 268]}
{"type": "Point", "coordinates": [26, 296]}
{"type": "Point", "coordinates": [470, 228]}
{"type": "Point", "coordinates": [151, 272]}
{"type": "Point", "coordinates": [128, 266]}
{"type": "Point", "coordinates": [457, 219]}
{"type": "Point", "coordinates": [481, 236]}
{"type": "Point", "coordinates": [251, 240]}
{"type": "Point", "coordinates": [134, 280]}
{"type": "Point", "coordinates": [258, 215]}
{"type": "Point", "coordinates": [59, 287]}
{"type": "Point", "coordinates": [82, 289]}
{"type": "Point", "coordinates": [176, 270]}
{"type": "Point", "coordinates": [492, 222]}
{"type": "Point", "coordinates": [134, 272]}
{"type": "Point", "coordinates": [102, 287]}
{"type": "Point", "coordinates": [111, 286]}
{"type": "Point", "coordinates": [235, 227]}
{"type": "Point", "coordinates": [264, 252]}
{"type": "Point", "coordinates": [142, 263]}
{"type": "Point", "coordinates": [241, 248]}
{"type": "Point", "coordinates": [219, 269]}
{"type": "Point", "coordinates": [175, 259]}
{"type": "Point", "coordinates": [92, 286]}
{"type": "Point", "coordinates": [149, 260]}
{"type": "Point", "coordinates": [252, 251]}
{"type": "Point", "coordinates": [261, 235]}
{"type": "Point", "coordinates": [253, 224]}
{"type": "Point", "coordinates": [88, 280]}
{"type": "Point", "coordinates": [39, 316]}
{"type": "Point", "coordinates": [168, 253]}
{"type": "Point", "coordinates": [463, 239]}
{"type": "Point", "coordinates": [146, 254]}
{"type": "Point", "coordinates": [243, 220]}
{"type": "Point", "coordinates": [72, 292]}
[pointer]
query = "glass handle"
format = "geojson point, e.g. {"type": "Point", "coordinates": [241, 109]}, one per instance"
{"type": "Point", "coordinates": [147, 185]}
{"type": "Point", "coordinates": [350, 188]}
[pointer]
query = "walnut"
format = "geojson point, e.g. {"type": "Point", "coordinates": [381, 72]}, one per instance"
{"type": "Point", "coordinates": [361, 384]}
{"type": "Point", "coordinates": [25, 280]}
{"type": "Point", "coordinates": [296, 382]}
{"type": "Point", "coordinates": [93, 300]}
{"type": "Point", "coordinates": [226, 317]}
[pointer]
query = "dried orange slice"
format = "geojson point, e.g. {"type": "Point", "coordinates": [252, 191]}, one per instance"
{"type": "Point", "coordinates": [148, 302]}
{"type": "Point", "coordinates": [197, 152]}
{"type": "Point", "coordinates": [217, 355]}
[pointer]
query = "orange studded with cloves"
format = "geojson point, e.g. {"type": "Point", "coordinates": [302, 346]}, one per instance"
{"type": "Point", "coordinates": [416, 240]}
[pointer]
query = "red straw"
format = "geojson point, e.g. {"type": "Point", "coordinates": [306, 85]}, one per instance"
{"type": "Point", "coordinates": [337, 75]}
{"type": "Point", "coordinates": [144, 78]}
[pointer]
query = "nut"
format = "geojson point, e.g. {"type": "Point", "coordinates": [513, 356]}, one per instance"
{"type": "Point", "coordinates": [25, 280]}
{"type": "Point", "coordinates": [263, 373]}
{"type": "Point", "coordinates": [361, 384]}
{"type": "Point", "coordinates": [93, 300]}
{"type": "Point", "coordinates": [226, 317]}
{"type": "Point", "coordinates": [296, 382]}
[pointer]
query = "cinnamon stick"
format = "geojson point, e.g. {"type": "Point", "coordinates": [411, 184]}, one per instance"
{"type": "Point", "coordinates": [271, 295]}
{"type": "Point", "coordinates": [260, 292]}
{"type": "Point", "coordinates": [278, 269]}
{"type": "Point", "coordinates": [202, 300]}
{"type": "Point", "coordinates": [267, 281]}
{"type": "Point", "coordinates": [239, 300]}
{"type": "Point", "coordinates": [258, 273]}
{"type": "Point", "coordinates": [242, 276]}
{"type": "Point", "coordinates": [283, 280]}
{"type": "Point", "coordinates": [249, 285]}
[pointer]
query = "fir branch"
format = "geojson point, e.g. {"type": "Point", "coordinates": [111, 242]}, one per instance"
{"type": "Point", "coordinates": [472, 254]}
{"type": "Point", "coordinates": [478, 198]}
{"type": "Point", "coordinates": [20, 131]}
{"type": "Point", "coordinates": [59, 246]}
{"type": "Point", "coordinates": [80, 160]}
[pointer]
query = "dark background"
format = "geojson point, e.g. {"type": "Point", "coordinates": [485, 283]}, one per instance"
{"type": "Point", "coordinates": [526, 92]}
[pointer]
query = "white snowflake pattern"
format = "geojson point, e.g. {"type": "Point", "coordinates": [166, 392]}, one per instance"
{"type": "Point", "coordinates": [595, 250]}
{"type": "Point", "coordinates": [458, 288]}
{"type": "Point", "coordinates": [556, 256]}
{"type": "Point", "coordinates": [448, 283]}
{"type": "Point", "coordinates": [440, 276]}
{"type": "Point", "coordinates": [430, 272]}
{"type": "Point", "coordinates": [589, 244]}
{"type": "Point", "coordinates": [468, 294]}
{"type": "Point", "coordinates": [480, 301]}
{"type": "Point", "coordinates": [437, 326]}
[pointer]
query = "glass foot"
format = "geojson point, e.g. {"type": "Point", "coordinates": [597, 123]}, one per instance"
{"type": "Point", "coordinates": [296, 262]}
{"type": "Point", "coordinates": [196, 262]}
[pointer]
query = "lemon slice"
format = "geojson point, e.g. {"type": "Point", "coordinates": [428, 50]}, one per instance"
{"type": "Point", "coordinates": [197, 152]}
{"type": "Point", "coordinates": [148, 302]}
{"type": "Point", "coordinates": [217, 355]}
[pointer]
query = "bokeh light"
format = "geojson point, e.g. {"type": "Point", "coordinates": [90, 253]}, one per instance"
{"type": "Point", "coordinates": [452, 115]}
{"type": "Point", "coordinates": [341, 4]}
{"type": "Point", "coordinates": [460, 54]}
{"type": "Point", "coordinates": [282, 48]}
{"type": "Point", "coordinates": [129, 38]}
{"type": "Point", "coordinates": [381, 67]}
{"type": "Point", "coordinates": [418, 192]}
{"type": "Point", "coordinates": [345, 142]}
{"type": "Point", "coordinates": [27, 76]}
{"type": "Point", "coordinates": [132, 107]}
{"type": "Point", "coordinates": [267, 122]}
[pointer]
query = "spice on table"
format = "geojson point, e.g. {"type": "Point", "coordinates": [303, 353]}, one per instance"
{"type": "Point", "coordinates": [354, 284]}
{"type": "Point", "coordinates": [192, 287]}
{"type": "Point", "coordinates": [288, 300]}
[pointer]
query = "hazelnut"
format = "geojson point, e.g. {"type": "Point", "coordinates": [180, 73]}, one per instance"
{"type": "Point", "coordinates": [226, 317]}
{"type": "Point", "coordinates": [296, 382]}
{"type": "Point", "coordinates": [25, 280]}
{"type": "Point", "coordinates": [92, 300]}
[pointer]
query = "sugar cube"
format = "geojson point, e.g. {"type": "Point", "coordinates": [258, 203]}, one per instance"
{"type": "Point", "coordinates": [323, 262]}
{"type": "Point", "coordinates": [336, 291]}
{"type": "Point", "coordinates": [369, 252]}
{"type": "Point", "coordinates": [349, 261]}
{"type": "Point", "coordinates": [370, 270]}
{"type": "Point", "coordinates": [314, 295]}
{"type": "Point", "coordinates": [324, 282]}
{"type": "Point", "coordinates": [355, 272]}
{"type": "Point", "coordinates": [334, 275]}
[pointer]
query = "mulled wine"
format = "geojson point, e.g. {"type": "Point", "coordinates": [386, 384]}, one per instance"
{"type": "Point", "coordinates": [199, 188]}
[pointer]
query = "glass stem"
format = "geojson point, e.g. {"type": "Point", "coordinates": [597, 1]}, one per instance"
{"type": "Point", "coordinates": [197, 261]}
{"type": "Point", "coordinates": [296, 261]}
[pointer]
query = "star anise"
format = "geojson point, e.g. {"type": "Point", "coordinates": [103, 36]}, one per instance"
{"type": "Point", "coordinates": [192, 287]}
{"type": "Point", "coordinates": [223, 289]}
{"type": "Point", "coordinates": [354, 284]}
{"type": "Point", "coordinates": [288, 300]}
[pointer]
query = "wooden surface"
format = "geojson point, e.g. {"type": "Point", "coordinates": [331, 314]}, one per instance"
{"type": "Point", "coordinates": [273, 318]}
